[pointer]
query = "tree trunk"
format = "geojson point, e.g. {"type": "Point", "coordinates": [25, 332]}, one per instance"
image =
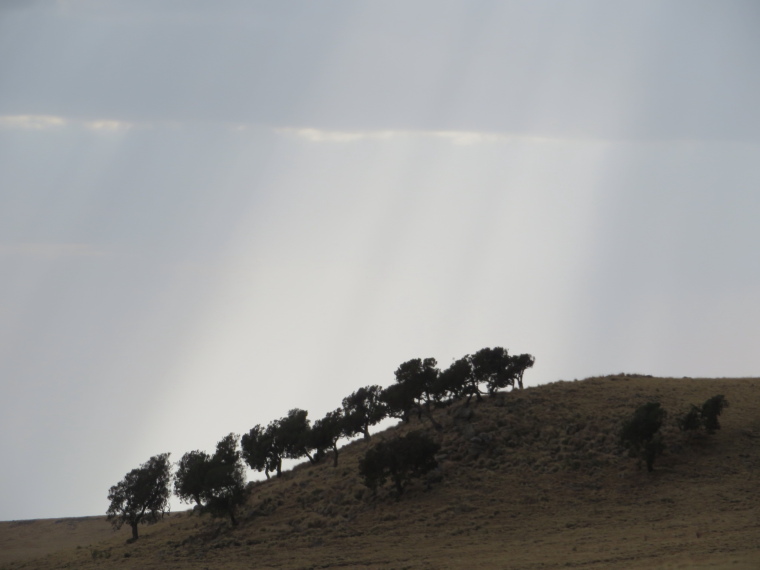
{"type": "Point", "coordinates": [134, 531]}
{"type": "Point", "coordinates": [335, 455]}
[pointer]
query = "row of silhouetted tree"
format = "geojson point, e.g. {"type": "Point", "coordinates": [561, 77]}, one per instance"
{"type": "Point", "coordinates": [216, 482]}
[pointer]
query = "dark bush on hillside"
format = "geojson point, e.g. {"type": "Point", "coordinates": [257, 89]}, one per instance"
{"type": "Point", "coordinates": [705, 417]}
{"type": "Point", "coordinates": [401, 459]}
{"type": "Point", "coordinates": [640, 434]}
{"type": "Point", "coordinates": [711, 409]}
{"type": "Point", "coordinates": [691, 420]}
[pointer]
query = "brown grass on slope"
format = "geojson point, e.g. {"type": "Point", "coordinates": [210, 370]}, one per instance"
{"type": "Point", "coordinates": [534, 479]}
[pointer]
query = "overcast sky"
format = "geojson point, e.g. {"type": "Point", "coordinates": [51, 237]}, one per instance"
{"type": "Point", "coordinates": [213, 212]}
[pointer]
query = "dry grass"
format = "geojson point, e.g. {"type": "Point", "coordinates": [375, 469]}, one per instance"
{"type": "Point", "coordinates": [535, 479]}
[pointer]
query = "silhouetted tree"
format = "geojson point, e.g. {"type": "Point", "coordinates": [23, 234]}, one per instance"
{"type": "Point", "coordinates": [398, 401]}
{"type": "Point", "coordinates": [292, 435]}
{"type": "Point", "coordinates": [418, 388]}
{"type": "Point", "coordinates": [495, 368]}
{"type": "Point", "coordinates": [326, 432]}
{"type": "Point", "coordinates": [401, 459]}
{"type": "Point", "coordinates": [363, 409]}
{"type": "Point", "coordinates": [224, 485]}
{"type": "Point", "coordinates": [262, 450]}
{"type": "Point", "coordinates": [640, 434]}
{"type": "Point", "coordinates": [520, 364]}
{"type": "Point", "coordinates": [190, 477]}
{"type": "Point", "coordinates": [456, 378]}
{"type": "Point", "coordinates": [142, 497]}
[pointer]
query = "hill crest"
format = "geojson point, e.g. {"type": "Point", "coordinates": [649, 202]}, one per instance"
{"type": "Point", "coordinates": [530, 479]}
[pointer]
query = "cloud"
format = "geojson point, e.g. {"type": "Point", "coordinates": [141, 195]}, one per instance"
{"type": "Point", "coordinates": [322, 135]}
{"type": "Point", "coordinates": [108, 126]}
{"type": "Point", "coordinates": [31, 122]}
{"type": "Point", "coordinates": [47, 122]}
{"type": "Point", "coordinates": [50, 250]}
{"type": "Point", "coordinates": [454, 137]}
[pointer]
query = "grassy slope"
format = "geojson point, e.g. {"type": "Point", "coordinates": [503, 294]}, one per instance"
{"type": "Point", "coordinates": [547, 488]}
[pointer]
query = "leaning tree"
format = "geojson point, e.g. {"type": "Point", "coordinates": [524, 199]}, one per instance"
{"type": "Point", "coordinates": [142, 497]}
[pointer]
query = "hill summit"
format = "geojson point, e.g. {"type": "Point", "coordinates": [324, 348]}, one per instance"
{"type": "Point", "coordinates": [532, 478]}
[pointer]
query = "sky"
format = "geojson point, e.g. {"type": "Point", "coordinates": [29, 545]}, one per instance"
{"type": "Point", "coordinates": [214, 212]}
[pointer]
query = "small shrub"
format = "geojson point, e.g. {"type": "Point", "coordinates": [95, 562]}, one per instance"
{"type": "Point", "coordinates": [97, 554]}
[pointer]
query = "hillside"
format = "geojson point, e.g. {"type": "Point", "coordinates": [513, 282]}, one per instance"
{"type": "Point", "coordinates": [534, 479]}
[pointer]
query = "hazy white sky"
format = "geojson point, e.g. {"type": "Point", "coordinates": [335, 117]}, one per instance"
{"type": "Point", "coordinates": [213, 212]}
